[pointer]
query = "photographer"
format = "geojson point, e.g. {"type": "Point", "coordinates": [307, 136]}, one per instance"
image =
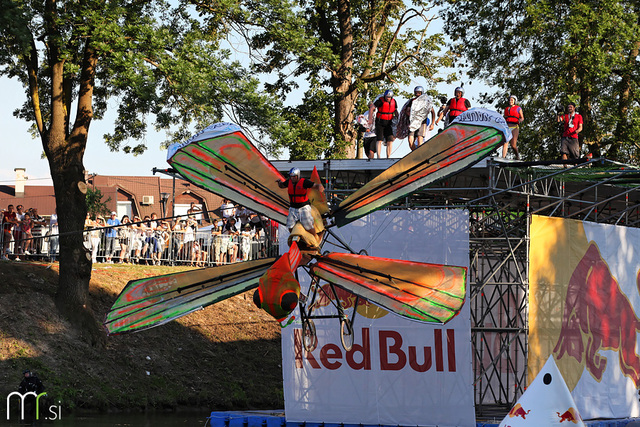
{"type": "Point", "coordinates": [572, 126]}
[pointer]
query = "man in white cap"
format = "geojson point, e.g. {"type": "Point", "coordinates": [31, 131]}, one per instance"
{"type": "Point", "coordinates": [111, 234]}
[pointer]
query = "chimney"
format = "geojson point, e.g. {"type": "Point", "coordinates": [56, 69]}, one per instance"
{"type": "Point", "coordinates": [20, 180]}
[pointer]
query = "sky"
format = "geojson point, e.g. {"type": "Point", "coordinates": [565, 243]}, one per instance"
{"type": "Point", "coordinates": [20, 150]}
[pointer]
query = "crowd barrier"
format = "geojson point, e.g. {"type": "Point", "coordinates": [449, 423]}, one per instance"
{"type": "Point", "coordinates": [199, 249]}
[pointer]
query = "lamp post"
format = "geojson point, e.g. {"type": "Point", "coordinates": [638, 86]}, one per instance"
{"type": "Point", "coordinates": [163, 198]}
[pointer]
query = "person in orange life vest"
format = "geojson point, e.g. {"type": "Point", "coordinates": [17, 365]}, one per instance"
{"type": "Point", "coordinates": [300, 206]}
{"type": "Point", "coordinates": [569, 145]}
{"type": "Point", "coordinates": [387, 110]}
{"type": "Point", "coordinates": [513, 115]}
{"type": "Point", "coordinates": [455, 107]}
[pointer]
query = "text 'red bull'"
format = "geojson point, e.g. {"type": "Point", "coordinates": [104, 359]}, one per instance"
{"type": "Point", "coordinates": [394, 355]}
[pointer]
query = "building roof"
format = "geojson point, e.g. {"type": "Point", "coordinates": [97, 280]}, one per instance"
{"type": "Point", "coordinates": [144, 193]}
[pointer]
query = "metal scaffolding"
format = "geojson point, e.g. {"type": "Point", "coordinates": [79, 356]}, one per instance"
{"type": "Point", "coordinates": [501, 196]}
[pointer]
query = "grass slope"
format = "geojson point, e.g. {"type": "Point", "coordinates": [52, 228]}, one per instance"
{"type": "Point", "coordinates": [225, 357]}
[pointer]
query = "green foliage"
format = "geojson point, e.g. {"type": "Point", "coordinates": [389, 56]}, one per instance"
{"type": "Point", "coordinates": [95, 205]}
{"type": "Point", "coordinates": [155, 62]}
{"type": "Point", "coordinates": [348, 52]}
{"type": "Point", "coordinates": [553, 52]}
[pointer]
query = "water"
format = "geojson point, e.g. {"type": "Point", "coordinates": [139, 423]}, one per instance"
{"type": "Point", "coordinates": [154, 419]}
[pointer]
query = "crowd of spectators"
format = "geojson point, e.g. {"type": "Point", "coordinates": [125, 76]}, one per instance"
{"type": "Point", "coordinates": [239, 235]}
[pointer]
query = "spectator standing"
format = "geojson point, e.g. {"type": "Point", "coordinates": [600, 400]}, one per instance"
{"type": "Point", "coordinates": [177, 238]}
{"type": "Point", "coordinates": [387, 111]}
{"type": "Point", "coordinates": [95, 236]}
{"type": "Point", "coordinates": [137, 239]}
{"type": "Point", "coordinates": [193, 209]}
{"type": "Point", "coordinates": [111, 235]}
{"type": "Point", "coordinates": [572, 126]}
{"type": "Point", "coordinates": [455, 106]}
{"type": "Point", "coordinates": [189, 239]}
{"type": "Point", "coordinates": [369, 135]}
{"type": "Point", "coordinates": [53, 235]}
{"type": "Point", "coordinates": [9, 220]}
{"type": "Point", "coordinates": [149, 238]}
{"type": "Point", "coordinates": [38, 230]}
{"type": "Point", "coordinates": [227, 209]}
{"type": "Point", "coordinates": [124, 238]}
{"type": "Point", "coordinates": [27, 238]}
{"type": "Point", "coordinates": [17, 232]}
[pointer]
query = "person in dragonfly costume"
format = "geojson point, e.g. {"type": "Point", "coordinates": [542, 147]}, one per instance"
{"type": "Point", "coordinates": [300, 209]}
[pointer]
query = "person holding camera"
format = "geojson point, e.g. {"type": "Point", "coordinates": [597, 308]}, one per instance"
{"type": "Point", "coordinates": [572, 126]}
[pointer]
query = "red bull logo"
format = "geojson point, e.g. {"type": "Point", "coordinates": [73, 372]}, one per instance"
{"type": "Point", "coordinates": [518, 411]}
{"type": "Point", "coordinates": [393, 353]}
{"type": "Point", "coordinates": [597, 315]}
{"type": "Point", "coordinates": [570, 415]}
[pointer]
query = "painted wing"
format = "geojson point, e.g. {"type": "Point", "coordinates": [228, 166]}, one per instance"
{"type": "Point", "coordinates": [419, 291]}
{"type": "Point", "coordinates": [222, 160]}
{"type": "Point", "coordinates": [474, 135]}
{"type": "Point", "coordinates": [154, 301]}
{"type": "Point", "coordinates": [317, 197]}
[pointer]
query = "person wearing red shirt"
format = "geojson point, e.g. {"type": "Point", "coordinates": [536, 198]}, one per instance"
{"type": "Point", "coordinates": [513, 116]}
{"type": "Point", "coordinates": [9, 219]}
{"type": "Point", "coordinates": [569, 144]}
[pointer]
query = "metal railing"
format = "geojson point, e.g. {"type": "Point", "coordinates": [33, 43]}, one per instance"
{"type": "Point", "coordinates": [199, 248]}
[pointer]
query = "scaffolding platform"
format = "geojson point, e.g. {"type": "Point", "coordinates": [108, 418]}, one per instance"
{"type": "Point", "coordinates": [501, 196]}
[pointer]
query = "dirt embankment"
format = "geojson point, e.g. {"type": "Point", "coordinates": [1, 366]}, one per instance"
{"type": "Point", "coordinates": [225, 357]}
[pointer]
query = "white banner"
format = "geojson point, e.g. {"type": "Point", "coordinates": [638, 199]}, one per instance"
{"type": "Point", "coordinates": [399, 372]}
{"type": "Point", "coordinates": [484, 117]}
{"type": "Point", "coordinates": [585, 311]}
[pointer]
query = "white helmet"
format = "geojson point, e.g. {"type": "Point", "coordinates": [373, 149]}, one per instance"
{"type": "Point", "coordinates": [418, 89]}
{"type": "Point", "coordinates": [515, 99]}
{"type": "Point", "coordinates": [458, 89]}
{"type": "Point", "coordinates": [294, 171]}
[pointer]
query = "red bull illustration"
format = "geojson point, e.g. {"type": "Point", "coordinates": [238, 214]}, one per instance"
{"type": "Point", "coordinates": [598, 315]}
{"type": "Point", "coordinates": [518, 411]}
{"type": "Point", "coordinates": [569, 415]}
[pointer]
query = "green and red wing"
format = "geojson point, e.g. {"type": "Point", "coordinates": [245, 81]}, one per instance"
{"type": "Point", "coordinates": [458, 147]}
{"type": "Point", "coordinates": [419, 291]}
{"type": "Point", "coordinates": [222, 160]}
{"type": "Point", "coordinates": [153, 301]}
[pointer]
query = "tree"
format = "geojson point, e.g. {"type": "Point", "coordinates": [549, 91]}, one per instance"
{"type": "Point", "coordinates": [73, 56]}
{"type": "Point", "coordinates": [553, 52]}
{"type": "Point", "coordinates": [343, 49]}
{"type": "Point", "coordinates": [95, 205]}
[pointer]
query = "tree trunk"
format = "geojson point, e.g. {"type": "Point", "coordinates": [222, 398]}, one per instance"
{"type": "Point", "coordinates": [65, 151]}
{"type": "Point", "coordinates": [343, 89]}
{"type": "Point", "coordinates": [344, 127]}
{"type": "Point", "coordinates": [72, 298]}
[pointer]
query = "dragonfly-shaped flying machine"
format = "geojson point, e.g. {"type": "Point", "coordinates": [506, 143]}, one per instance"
{"type": "Point", "coordinates": [222, 160]}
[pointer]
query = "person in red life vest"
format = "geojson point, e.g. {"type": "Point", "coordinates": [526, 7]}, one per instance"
{"type": "Point", "coordinates": [513, 115]}
{"type": "Point", "coordinates": [455, 107]}
{"type": "Point", "coordinates": [569, 145]}
{"type": "Point", "coordinates": [387, 110]}
{"type": "Point", "coordinates": [300, 206]}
